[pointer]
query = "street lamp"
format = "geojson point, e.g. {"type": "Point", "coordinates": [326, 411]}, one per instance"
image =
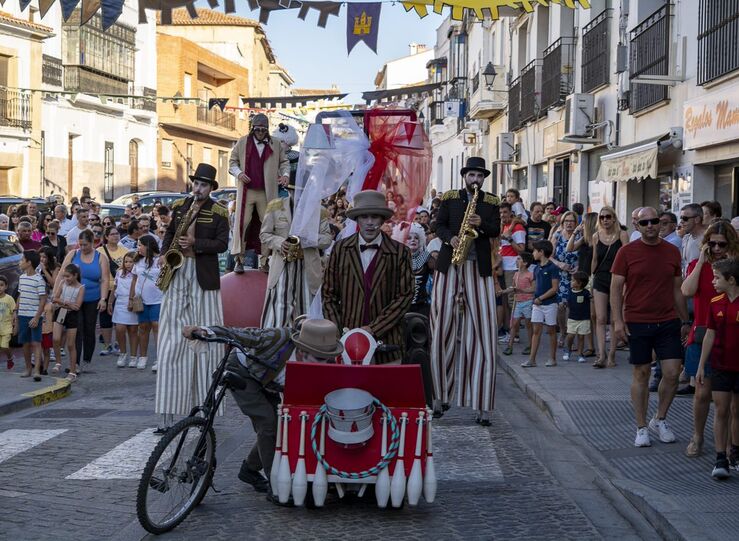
{"type": "Point", "coordinates": [489, 74]}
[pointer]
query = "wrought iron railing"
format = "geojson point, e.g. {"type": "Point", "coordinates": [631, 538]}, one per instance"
{"type": "Point", "coordinates": [514, 105]}
{"type": "Point", "coordinates": [596, 50]}
{"type": "Point", "coordinates": [15, 109]}
{"type": "Point", "coordinates": [79, 79]}
{"type": "Point", "coordinates": [530, 91]}
{"type": "Point", "coordinates": [216, 117]}
{"type": "Point", "coordinates": [558, 72]}
{"type": "Point", "coordinates": [52, 71]}
{"type": "Point", "coordinates": [718, 39]}
{"type": "Point", "coordinates": [650, 55]}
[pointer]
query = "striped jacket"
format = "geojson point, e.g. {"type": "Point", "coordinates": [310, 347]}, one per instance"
{"type": "Point", "coordinates": [392, 290]}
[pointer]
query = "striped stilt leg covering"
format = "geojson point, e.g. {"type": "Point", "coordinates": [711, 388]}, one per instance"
{"type": "Point", "coordinates": [444, 320]}
{"type": "Point", "coordinates": [184, 375]}
{"type": "Point", "coordinates": [289, 298]}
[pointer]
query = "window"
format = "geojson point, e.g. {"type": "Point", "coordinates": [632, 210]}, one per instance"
{"type": "Point", "coordinates": [718, 53]}
{"type": "Point", "coordinates": [207, 155]}
{"type": "Point", "coordinates": [187, 86]}
{"type": "Point", "coordinates": [4, 70]}
{"type": "Point", "coordinates": [109, 173]}
{"type": "Point", "coordinates": [167, 152]}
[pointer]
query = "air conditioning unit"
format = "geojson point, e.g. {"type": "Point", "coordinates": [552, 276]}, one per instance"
{"type": "Point", "coordinates": [506, 149]}
{"type": "Point", "coordinates": [579, 115]}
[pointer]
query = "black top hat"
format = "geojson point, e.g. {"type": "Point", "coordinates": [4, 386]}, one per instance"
{"type": "Point", "coordinates": [206, 173]}
{"type": "Point", "coordinates": [475, 163]}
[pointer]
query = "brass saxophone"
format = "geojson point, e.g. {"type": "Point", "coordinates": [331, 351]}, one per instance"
{"type": "Point", "coordinates": [173, 258]}
{"type": "Point", "coordinates": [295, 251]}
{"type": "Point", "coordinates": [467, 234]}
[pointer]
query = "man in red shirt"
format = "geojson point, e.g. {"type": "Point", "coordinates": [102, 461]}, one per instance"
{"type": "Point", "coordinates": [645, 304]}
{"type": "Point", "coordinates": [722, 344]}
{"type": "Point", "coordinates": [25, 230]}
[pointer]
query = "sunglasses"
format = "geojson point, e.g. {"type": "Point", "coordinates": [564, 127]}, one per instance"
{"type": "Point", "coordinates": [719, 243]}
{"type": "Point", "coordinates": [261, 129]}
{"type": "Point", "coordinates": [134, 207]}
{"type": "Point", "coordinates": [650, 221]}
{"type": "Point", "coordinates": [686, 218]}
{"type": "Point", "coordinates": [605, 217]}
{"type": "Point", "coordinates": [98, 233]}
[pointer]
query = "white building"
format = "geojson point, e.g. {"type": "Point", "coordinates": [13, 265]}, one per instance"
{"type": "Point", "coordinates": [658, 113]}
{"type": "Point", "coordinates": [405, 71]}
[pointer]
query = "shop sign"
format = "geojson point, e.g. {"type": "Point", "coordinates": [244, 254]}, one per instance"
{"type": "Point", "coordinates": [712, 119]}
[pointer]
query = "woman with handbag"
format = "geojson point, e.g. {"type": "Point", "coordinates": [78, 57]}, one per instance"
{"type": "Point", "coordinates": [719, 242]}
{"type": "Point", "coordinates": [145, 297]}
{"type": "Point", "coordinates": [95, 276]}
{"type": "Point", "coordinates": [68, 297]}
{"type": "Point", "coordinates": [115, 253]}
{"type": "Point", "coordinates": [607, 241]}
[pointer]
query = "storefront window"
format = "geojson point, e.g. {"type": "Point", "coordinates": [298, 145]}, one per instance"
{"type": "Point", "coordinates": [665, 194]}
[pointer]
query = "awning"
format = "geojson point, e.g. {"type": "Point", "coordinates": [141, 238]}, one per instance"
{"type": "Point", "coordinates": [637, 161]}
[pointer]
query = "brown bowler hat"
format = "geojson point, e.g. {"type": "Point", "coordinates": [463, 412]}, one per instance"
{"type": "Point", "coordinates": [318, 336]}
{"type": "Point", "coordinates": [369, 202]}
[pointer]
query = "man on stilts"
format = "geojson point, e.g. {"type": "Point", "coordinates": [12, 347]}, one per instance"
{"type": "Point", "coordinates": [192, 297]}
{"type": "Point", "coordinates": [463, 327]}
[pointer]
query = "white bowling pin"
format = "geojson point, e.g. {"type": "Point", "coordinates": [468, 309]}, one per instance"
{"type": "Point", "coordinates": [320, 481]}
{"type": "Point", "coordinates": [283, 476]}
{"type": "Point", "coordinates": [278, 453]}
{"type": "Point", "coordinates": [300, 478]}
{"type": "Point", "coordinates": [382, 484]}
{"type": "Point", "coordinates": [415, 479]}
{"type": "Point", "coordinates": [397, 484]}
{"type": "Point", "coordinates": [429, 480]}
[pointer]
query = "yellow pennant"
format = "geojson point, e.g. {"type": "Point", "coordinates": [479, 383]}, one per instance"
{"type": "Point", "coordinates": [483, 7]}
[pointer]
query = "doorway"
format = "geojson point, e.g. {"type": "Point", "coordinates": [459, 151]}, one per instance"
{"type": "Point", "coordinates": [133, 164]}
{"type": "Point", "coordinates": [561, 188]}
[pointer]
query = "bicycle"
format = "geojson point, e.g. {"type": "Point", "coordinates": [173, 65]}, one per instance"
{"type": "Point", "coordinates": [181, 467]}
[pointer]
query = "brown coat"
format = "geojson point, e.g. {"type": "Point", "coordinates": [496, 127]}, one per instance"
{"type": "Point", "coordinates": [392, 290]}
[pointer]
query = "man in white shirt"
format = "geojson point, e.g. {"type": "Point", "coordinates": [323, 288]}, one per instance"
{"type": "Point", "coordinates": [83, 222]}
{"type": "Point", "coordinates": [635, 234]}
{"type": "Point", "coordinates": [691, 219]}
{"type": "Point", "coordinates": [65, 224]}
{"type": "Point", "coordinates": [667, 229]}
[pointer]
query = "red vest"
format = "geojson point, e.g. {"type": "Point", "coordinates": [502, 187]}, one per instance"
{"type": "Point", "coordinates": [255, 165]}
{"type": "Point", "coordinates": [368, 276]}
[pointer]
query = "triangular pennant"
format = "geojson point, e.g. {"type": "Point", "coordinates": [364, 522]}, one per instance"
{"type": "Point", "coordinates": [324, 8]}
{"type": "Point", "coordinates": [43, 6]}
{"type": "Point", "coordinates": [24, 4]}
{"type": "Point", "coordinates": [103, 99]}
{"type": "Point", "coordinates": [229, 6]}
{"type": "Point", "coordinates": [112, 9]}
{"type": "Point", "coordinates": [362, 23]}
{"type": "Point", "coordinates": [89, 8]}
{"type": "Point", "coordinates": [213, 4]}
{"type": "Point", "coordinates": [220, 102]}
{"type": "Point", "coordinates": [68, 7]}
{"type": "Point", "coordinates": [192, 11]}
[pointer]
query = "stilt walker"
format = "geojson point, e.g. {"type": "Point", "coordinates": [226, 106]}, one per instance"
{"type": "Point", "coordinates": [191, 283]}
{"type": "Point", "coordinates": [468, 220]}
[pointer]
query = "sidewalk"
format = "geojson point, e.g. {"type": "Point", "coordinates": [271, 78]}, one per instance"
{"type": "Point", "coordinates": [18, 393]}
{"type": "Point", "coordinates": [593, 408]}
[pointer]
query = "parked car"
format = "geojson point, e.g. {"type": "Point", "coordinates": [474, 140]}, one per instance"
{"type": "Point", "coordinates": [7, 201]}
{"type": "Point", "coordinates": [10, 254]}
{"type": "Point", "coordinates": [228, 194]}
{"type": "Point", "coordinates": [114, 211]}
{"type": "Point", "coordinates": [147, 199]}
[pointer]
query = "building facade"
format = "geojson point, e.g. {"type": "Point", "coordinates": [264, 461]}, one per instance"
{"type": "Point", "coordinates": [21, 42]}
{"type": "Point", "coordinates": [629, 103]}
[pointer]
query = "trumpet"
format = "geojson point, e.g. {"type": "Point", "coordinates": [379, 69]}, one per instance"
{"type": "Point", "coordinates": [295, 251]}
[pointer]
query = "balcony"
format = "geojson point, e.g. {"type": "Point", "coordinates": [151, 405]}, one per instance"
{"type": "Point", "coordinates": [52, 71]}
{"type": "Point", "coordinates": [79, 79]}
{"type": "Point", "coordinates": [596, 52]}
{"type": "Point", "coordinates": [558, 72]}
{"type": "Point", "coordinates": [487, 102]}
{"type": "Point", "coordinates": [15, 109]}
{"type": "Point", "coordinates": [514, 105]}
{"type": "Point", "coordinates": [650, 55]}
{"type": "Point", "coordinates": [216, 117]}
{"type": "Point", "coordinates": [436, 113]}
{"type": "Point", "coordinates": [530, 85]}
{"type": "Point", "coordinates": [718, 53]}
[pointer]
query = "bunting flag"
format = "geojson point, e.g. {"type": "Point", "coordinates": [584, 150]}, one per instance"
{"type": "Point", "coordinates": [89, 8]}
{"type": "Point", "coordinates": [68, 7]}
{"type": "Point", "coordinates": [491, 9]}
{"type": "Point", "coordinates": [43, 6]}
{"type": "Point", "coordinates": [164, 6]}
{"type": "Point", "coordinates": [220, 102]}
{"type": "Point", "coordinates": [111, 10]}
{"type": "Point", "coordinates": [362, 24]}
{"type": "Point", "coordinates": [266, 7]}
{"type": "Point", "coordinates": [23, 4]}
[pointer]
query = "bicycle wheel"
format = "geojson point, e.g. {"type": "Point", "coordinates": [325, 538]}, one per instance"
{"type": "Point", "coordinates": [176, 476]}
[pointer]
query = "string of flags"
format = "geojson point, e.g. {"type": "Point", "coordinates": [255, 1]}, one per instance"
{"type": "Point", "coordinates": [362, 18]}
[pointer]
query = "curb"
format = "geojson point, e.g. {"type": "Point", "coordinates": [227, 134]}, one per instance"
{"type": "Point", "coordinates": [655, 509]}
{"type": "Point", "coordinates": [58, 390]}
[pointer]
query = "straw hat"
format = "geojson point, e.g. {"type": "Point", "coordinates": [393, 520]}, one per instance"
{"type": "Point", "coordinates": [369, 202]}
{"type": "Point", "coordinates": [318, 336]}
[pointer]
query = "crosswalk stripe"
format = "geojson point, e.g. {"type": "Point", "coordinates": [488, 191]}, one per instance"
{"type": "Point", "coordinates": [462, 453]}
{"type": "Point", "coordinates": [16, 441]}
{"type": "Point", "coordinates": [125, 461]}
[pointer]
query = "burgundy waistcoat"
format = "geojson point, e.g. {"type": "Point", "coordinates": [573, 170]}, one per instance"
{"type": "Point", "coordinates": [368, 276]}
{"type": "Point", "coordinates": [255, 166]}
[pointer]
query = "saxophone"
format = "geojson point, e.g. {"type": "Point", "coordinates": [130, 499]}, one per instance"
{"type": "Point", "coordinates": [296, 251]}
{"type": "Point", "coordinates": [466, 233]}
{"type": "Point", "coordinates": [173, 258]}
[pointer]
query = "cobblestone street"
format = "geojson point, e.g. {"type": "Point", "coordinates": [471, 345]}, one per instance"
{"type": "Point", "coordinates": [70, 471]}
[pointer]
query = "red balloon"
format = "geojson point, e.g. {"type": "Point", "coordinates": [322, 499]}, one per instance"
{"type": "Point", "coordinates": [357, 346]}
{"type": "Point", "coordinates": [243, 298]}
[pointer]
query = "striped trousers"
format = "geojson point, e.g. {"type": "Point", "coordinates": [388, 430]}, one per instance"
{"type": "Point", "coordinates": [463, 345]}
{"type": "Point", "coordinates": [183, 371]}
{"type": "Point", "coordinates": [289, 298]}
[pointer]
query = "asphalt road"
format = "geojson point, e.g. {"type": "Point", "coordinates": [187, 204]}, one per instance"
{"type": "Point", "coordinates": [70, 471]}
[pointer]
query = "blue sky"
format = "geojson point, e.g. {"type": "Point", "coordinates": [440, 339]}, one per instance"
{"type": "Point", "coordinates": [316, 57]}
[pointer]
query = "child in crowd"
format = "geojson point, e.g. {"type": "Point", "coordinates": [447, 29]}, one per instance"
{"type": "Point", "coordinates": [7, 322]}
{"type": "Point", "coordinates": [544, 310]}
{"type": "Point", "coordinates": [126, 322]}
{"type": "Point", "coordinates": [145, 274]}
{"type": "Point", "coordinates": [523, 291]}
{"type": "Point", "coordinates": [578, 321]}
{"type": "Point", "coordinates": [68, 296]}
{"type": "Point", "coordinates": [31, 302]}
{"type": "Point", "coordinates": [721, 343]}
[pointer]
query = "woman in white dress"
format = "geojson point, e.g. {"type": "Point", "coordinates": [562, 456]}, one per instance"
{"type": "Point", "coordinates": [126, 322]}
